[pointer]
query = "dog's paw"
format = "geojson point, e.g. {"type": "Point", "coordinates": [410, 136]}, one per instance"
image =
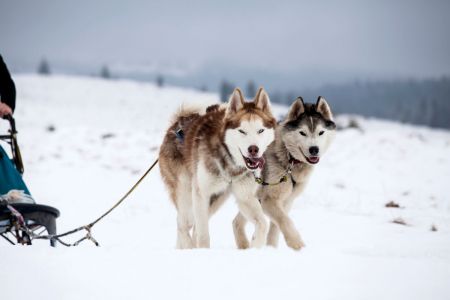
{"type": "Point", "coordinates": [295, 244]}
{"type": "Point", "coordinates": [202, 241]}
{"type": "Point", "coordinates": [244, 244]}
{"type": "Point", "coordinates": [272, 243]}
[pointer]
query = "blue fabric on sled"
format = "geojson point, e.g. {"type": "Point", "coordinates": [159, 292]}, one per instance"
{"type": "Point", "coordinates": [10, 178]}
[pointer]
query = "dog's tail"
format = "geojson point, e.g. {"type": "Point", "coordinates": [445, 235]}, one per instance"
{"type": "Point", "coordinates": [187, 111]}
{"type": "Point", "coordinates": [183, 118]}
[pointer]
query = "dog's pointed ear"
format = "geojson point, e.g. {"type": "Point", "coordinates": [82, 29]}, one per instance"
{"type": "Point", "coordinates": [296, 109]}
{"type": "Point", "coordinates": [262, 100]}
{"type": "Point", "coordinates": [323, 108]}
{"type": "Point", "coordinates": [236, 101]}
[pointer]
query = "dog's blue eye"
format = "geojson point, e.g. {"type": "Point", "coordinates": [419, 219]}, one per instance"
{"type": "Point", "coordinates": [303, 133]}
{"type": "Point", "coordinates": [322, 132]}
{"type": "Point", "coordinates": [242, 131]}
{"type": "Point", "coordinates": [261, 131]}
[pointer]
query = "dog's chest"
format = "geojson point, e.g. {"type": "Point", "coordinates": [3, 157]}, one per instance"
{"type": "Point", "coordinates": [299, 178]}
{"type": "Point", "coordinates": [226, 170]}
{"type": "Point", "coordinates": [216, 177]}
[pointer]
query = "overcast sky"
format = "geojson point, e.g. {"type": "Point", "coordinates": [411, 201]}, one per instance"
{"type": "Point", "coordinates": [407, 38]}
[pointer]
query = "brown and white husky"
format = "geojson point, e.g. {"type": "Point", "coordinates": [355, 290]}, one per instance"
{"type": "Point", "coordinates": [206, 156]}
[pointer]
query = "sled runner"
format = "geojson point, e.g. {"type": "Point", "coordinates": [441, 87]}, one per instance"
{"type": "Point", "coordinates": [21, 221]}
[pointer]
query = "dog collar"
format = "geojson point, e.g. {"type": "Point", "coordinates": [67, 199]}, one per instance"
{"type": "Point", "coordinates": [293, 160]}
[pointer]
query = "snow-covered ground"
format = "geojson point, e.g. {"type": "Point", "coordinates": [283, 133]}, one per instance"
{"type": "Point", "coordinates": [85, 141]}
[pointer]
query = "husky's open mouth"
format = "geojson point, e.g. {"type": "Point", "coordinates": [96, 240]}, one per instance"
{"type": "Point", "coordinates": [254, 163]}
{"type": "Point", "coordinates": [313, 159]}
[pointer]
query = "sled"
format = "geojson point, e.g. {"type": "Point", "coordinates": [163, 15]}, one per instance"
{"type": "Point", "coordinates": [39, 219]}
{"type": "Point", "coordinates": [23, 221]}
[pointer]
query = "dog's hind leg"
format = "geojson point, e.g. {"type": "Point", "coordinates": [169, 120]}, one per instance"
{"type": "Point", "coordinates": [215, 202]}
{"type": "Point", "coordinates": [185, 219]}
{"type": "Point", "coordinates": [184, 224]}
{"type": "Point", "coordinates": [239, 231]}
{"type": "Point", "coordinates": [201, 218]}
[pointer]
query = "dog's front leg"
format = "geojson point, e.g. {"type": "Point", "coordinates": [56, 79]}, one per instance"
{"type": "Point", "coordinates": [272, 237]}
{"type": "Point", "coordinates": [251, 209]}
{"type": "Point", "coordinates": [274, 231]}
{"type": "Point", "coordinates": [284, 223]}
{"type": "Point", "coordinates": [239, 231]}
{"type": "Point", "coordinates": [249, 206]}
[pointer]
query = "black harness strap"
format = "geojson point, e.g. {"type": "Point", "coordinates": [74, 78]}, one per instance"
{"type": "Point", "coordinates": [180, 134]}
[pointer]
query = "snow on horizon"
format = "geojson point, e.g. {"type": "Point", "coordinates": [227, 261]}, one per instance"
{"type": "Point", "coordinates": [85, 141]}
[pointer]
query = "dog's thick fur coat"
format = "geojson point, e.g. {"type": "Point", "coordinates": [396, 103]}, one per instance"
{"type": "Point", "coordinates": [205, 156]}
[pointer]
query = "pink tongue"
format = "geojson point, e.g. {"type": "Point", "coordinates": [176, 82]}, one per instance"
{"type": "Point", "coordinates": [259, 161]}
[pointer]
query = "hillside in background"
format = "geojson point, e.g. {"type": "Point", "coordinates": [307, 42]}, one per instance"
{"type": "Point", "coordinates": [414, 101]}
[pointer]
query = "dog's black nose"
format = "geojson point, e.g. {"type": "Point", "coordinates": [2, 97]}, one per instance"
{"type": "Point", "coordinates": [253, 150]}
{"type": "Point", "coordinates": [314, 150]}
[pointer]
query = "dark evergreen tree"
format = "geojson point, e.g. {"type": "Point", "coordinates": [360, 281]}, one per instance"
{"type": "Point", "coordinates": [105, 73]}
{"type": "Point", "coordinates": [43, 67]}
{"type": "Point", "coordinates": [226, 89]}
{"type": "Point", "coordinates": [160, 80]}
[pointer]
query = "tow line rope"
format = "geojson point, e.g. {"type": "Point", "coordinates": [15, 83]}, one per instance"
{"type": "Point", "coordinates": [21, 225]}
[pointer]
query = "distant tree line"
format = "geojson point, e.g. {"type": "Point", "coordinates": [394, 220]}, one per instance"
{"type": "Point", "coordinates": [425, 102]}
{"type": "Point", "coordinates": [44, 69]}
{"type": "Point", "coordinates": [226, 88]}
